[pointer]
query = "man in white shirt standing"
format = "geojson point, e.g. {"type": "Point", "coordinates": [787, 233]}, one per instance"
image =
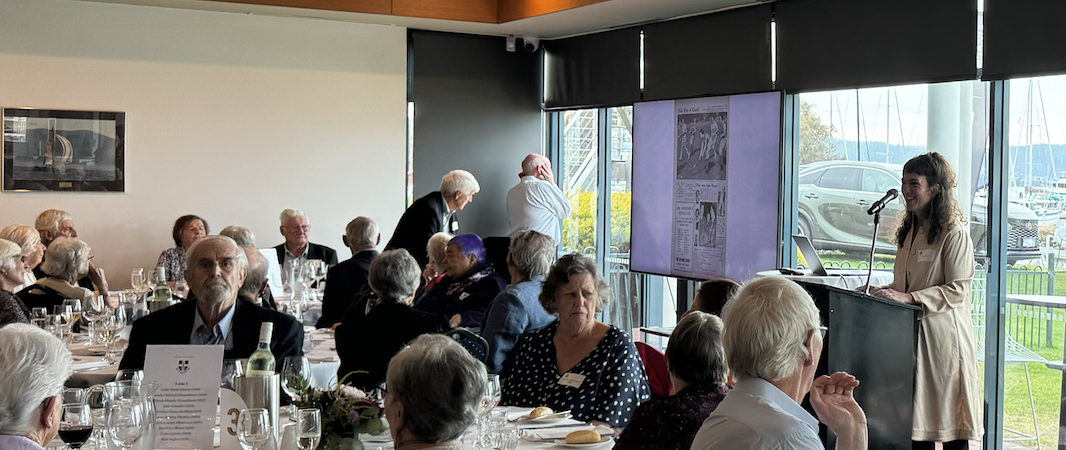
{"type": "Point", "coordinates": [773, 342]}
{"type": "Point", "coordinates": [536, 203]}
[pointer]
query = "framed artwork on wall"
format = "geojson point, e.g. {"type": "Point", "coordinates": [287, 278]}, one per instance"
{"type": "Point", "coordinates": [60, 150]}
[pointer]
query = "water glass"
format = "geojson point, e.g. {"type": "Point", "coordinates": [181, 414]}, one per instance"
{"type": "Point", "coordinates": [126, 422]}
{"type": "Point", "coordinates": [253, 428]}
{"type": "Point", "coordinates": [506, 437]}
{"type": "Point", "coordinates": [308, 428]}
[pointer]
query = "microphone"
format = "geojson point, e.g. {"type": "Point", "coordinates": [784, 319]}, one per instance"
{"type": "Point", "coordinates": [880, 204]}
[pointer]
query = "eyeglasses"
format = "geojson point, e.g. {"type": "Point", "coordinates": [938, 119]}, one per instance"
{"type": "Point", "coordinates": [823, 330]}
{"type": "Point", "coordinates": [303, 227]}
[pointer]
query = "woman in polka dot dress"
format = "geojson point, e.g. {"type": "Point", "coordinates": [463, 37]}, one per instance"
{"type": "Point", "coordinates": [577, 363]}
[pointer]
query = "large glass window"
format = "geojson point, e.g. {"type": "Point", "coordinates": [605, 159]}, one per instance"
{"type": "Point", "coordinates": [579, 179]}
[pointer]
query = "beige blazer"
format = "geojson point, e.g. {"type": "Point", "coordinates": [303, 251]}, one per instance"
{"type": "Point", "coordinates": [947, 394]}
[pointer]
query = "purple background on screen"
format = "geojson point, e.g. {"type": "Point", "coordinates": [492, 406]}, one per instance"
{"type": "Point", "coordinates": [752, 194]}
{"type": "Point", "coordinates": [653, 186]}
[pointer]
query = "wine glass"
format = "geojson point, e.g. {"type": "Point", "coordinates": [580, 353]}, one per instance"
{"type": "Point", "coordinates": [74, 396]}
{"type": "Point", "coordinates": [39, 317]}
{"type": "Point", "coordinates": [75, 312]}
{"type": "Point", "coordinates": [95, 309]}
{"type": "Point", "coordinates": [318, 271]}
{"type": "Point", "coordinates": [137, 278]}
{"type": "Point", "coordinates": [62, 316]}
{"type": "Point", "coordinates": [492, 393]}
{"type": "Point", "coordinates": [126, 422]}
{"type": "Point", "coordinates": [231, 369]}
{"type": "Point", "coordinates": [96, 400]}
{"type": "Point", "coordinates": [112, 327]}
{"type": "Point", "coordinates": [253, 428]}
{"type": "Point", "coordinates": [76, 425]}
{"type": "Point", "coordinates": [308, 428]}
{"type": "Point", "coordinates": [295, 375]}
{"type": "Point", "coordinates": [134, 375]}
{"type": "Point", "coordinates": [150, 279]}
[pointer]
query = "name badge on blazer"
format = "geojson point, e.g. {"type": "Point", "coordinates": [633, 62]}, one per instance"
{"type": "Point", "coordinates": [453, 226]}
{"type": "Point", "coordinates": [464, 295]}
{"type": "Point", "coordinates": [926, 255]}
{"type": "Point", "coordinates": [572, 379]}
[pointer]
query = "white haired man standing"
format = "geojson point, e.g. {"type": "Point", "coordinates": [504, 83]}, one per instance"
{"type": "Point", "coordinates": [773, 341]}
{"type": "Point", "coordinates": [35, 365]}
{"type": "Point", "coordinates": [346, 279]}
{"type": "Point", "coordinates": [434, 213]}
{"type": "Point", "coordinates": [536, 203]}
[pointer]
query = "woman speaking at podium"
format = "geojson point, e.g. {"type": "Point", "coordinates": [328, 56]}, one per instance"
{"type": "Point", "coordinates": [934, 266]}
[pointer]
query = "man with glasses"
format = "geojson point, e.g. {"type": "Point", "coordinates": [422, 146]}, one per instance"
{"type": "Point", "coordinates": [297, 247]}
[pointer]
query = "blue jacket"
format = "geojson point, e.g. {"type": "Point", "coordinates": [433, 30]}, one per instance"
{"type": "Point", "coordinates": [515, 310]}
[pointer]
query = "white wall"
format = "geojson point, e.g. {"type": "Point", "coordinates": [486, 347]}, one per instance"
{"type": "Point", "coordinates": [231, 117]}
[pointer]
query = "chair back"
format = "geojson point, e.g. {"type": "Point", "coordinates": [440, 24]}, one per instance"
{"type": "Point", "coordinates": [472, 342]}
{"type": "Point", "coordinates": [655, 366]}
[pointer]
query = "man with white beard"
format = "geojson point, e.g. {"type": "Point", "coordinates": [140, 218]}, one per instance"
{"type": "Point", "coordinates": [216, 270]}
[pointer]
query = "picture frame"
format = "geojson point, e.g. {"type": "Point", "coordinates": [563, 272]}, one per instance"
{"type": "Point", "coordinates": [63, 150]}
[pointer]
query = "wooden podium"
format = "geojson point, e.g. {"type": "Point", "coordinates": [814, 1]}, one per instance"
{"type": "Point", "coordinates": [875, 340]}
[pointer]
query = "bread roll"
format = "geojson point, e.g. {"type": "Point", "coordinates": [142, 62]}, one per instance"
{"type": "Point", "coordinates": [583, 437]}
{"type": "Point", "coordinates": [540, 412]}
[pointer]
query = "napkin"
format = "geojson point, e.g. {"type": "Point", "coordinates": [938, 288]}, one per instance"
{"type": "Point", "coordinates": [88, 365]}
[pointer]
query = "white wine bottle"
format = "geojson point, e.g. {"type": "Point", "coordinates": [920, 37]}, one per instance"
{"type": "Point", "coordinates": [261, 363]}
{"type": "Point", "coordinates": [162, 292]}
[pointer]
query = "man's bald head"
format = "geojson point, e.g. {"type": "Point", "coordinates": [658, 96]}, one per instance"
{"type": "Point", "coordinates": [532, 163]}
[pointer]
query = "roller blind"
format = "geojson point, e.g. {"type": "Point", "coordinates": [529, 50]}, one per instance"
{"type": "Point", "coordinates": [713, 54]}
{"type": "Point", "coordinates": [595, 70]}
{"type": "Point", "coordinates": [1023, 38]}
{"type": "Point", "coordinates": [833, 44]}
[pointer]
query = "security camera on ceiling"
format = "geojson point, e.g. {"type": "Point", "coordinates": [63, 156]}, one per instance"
{"type": "Point", "coordinates": [530, 44]}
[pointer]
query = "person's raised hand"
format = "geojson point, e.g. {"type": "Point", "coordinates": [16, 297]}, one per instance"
{"type": "Point", "coordinates": [833, 399]}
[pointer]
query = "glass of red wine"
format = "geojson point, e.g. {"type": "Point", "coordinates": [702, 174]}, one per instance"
{"type": "Point", "coordinates": [76, 425]}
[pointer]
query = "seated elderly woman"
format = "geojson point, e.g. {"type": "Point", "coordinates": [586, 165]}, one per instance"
{"type": "Point", "coordinates": [367, 340]}
{"type": "Point", "coordinates": [12, 310]}
{"type": "Point", "coordinates": [435, 391]}
{"type": "Point", "coordinates": [435, 248]}
{"type": "Point", "coordinates": [187, 229]}
{"type": "Point", "coordinates": [577, 363]}
{"type": "Point", "coordinates": [35, 365]}
{"type": "Point", "coordinates": [698, 373]}
{"type": "Point", "coordinates": [469, 285]}
{"type": "Point", "coordinates": [713, 295]}
{"type": "Point", "coordinates": [67, 260]}
{"type": "Point", "coordinates": [516, 310]}
{"type": "Point", "coordinates": [773, 343]}
{"type": "Point", "coordinates": [29, 239]}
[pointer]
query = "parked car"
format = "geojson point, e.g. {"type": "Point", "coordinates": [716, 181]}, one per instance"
{"type": "Point", "coordinates": [834, 197]}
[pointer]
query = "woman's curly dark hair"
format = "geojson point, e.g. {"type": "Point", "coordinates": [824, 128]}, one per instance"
{"type": "Point", "coordinates": [943, 208]}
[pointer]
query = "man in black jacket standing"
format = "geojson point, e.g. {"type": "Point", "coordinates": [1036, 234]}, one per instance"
{"type": "Point", "coordinates": [345, 280]}
{"type": "Point", "coordinates": [434, 213]}
{"type": "Point", "coordinates": [215, 273]}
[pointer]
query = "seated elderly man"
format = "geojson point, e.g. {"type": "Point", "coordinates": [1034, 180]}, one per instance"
{"type": "Point", "coordinates": [471, 283]}
{"type": "Point", "coordinates": [435, 392]}
{"type": "Point", "coordinates": [773, 342]}
{"type": "Point", "coordinates": [361, 236]}
{"type": "Point", "coordinates": [370, 337]}
{"type": "Point", "coordinates": [55, 223]}
{"type": "Point", "coordinates": [296, 228]}
{"type": "Point", "coordinates": [217, 268]}
{"type": "Point", "coordinates": [35, 365]}
{"type": "Point", "coordinates": [433, 213]}
{"type": "Point", "coordinates": [516, 310]}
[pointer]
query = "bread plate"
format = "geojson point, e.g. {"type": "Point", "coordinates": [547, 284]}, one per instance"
{"type": "Point", "coordinates": [603, 440]}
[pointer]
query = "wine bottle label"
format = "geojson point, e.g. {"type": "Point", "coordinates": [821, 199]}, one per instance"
{"type": "Point", "coordinates": [259, 373]}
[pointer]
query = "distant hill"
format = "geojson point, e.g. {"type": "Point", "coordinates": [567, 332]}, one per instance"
{"type": "Point", "coordinates": [1047, 161]}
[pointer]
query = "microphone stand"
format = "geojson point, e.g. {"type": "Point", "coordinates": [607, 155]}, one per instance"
{"type": "Point", "coordinates": [873, 245]}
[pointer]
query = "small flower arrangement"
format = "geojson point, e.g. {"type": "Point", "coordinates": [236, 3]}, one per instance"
{"type": "Point", "coordinates": [346, 411]}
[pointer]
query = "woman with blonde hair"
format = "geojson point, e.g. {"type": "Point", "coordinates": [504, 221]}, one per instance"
{"type": "Point", "coordinates": [29, 239]}
{"type": "Point", "coordinates": [12, 268]}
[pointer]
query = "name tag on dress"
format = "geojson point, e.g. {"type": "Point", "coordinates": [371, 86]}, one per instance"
{"type": "Point", "coordinates": [926, 255]}
{"type": "Point", "coordinates": [572, 379]}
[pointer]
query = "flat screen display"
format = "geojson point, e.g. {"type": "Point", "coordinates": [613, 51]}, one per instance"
{"type": "Point", "coordinates": [706, 186]}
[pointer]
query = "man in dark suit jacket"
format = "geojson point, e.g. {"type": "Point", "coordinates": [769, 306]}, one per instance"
{"type": "Point", "coordinates": [216, 271]}
{"type": "Point", "coordinates": [345, 280]}
{"type": "Point", "coordinates": [296, 228]}
{"type": "Point", "coordinates": [433, 214]}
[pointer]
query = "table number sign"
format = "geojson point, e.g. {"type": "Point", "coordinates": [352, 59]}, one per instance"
{"type": "Point", "coordinates": [186, 402]}
{"type": "Point", "coordinates": [231, 405]}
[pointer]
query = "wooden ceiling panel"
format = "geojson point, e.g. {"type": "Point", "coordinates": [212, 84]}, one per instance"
{"type": "Point", "coordinates": [355, 6]}
{"type": "Point", "coordinates": [510, 10]}
{"type": "Point", "coordinates": [483, 11]}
